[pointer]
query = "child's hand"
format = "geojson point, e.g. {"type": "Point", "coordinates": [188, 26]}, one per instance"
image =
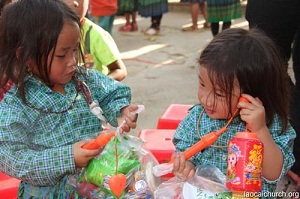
{"type": "Point", "coordinates": [128, 117]}
{"type": "Point", "coordinates": [253, 113]}
{"type": "Point", "coordinates": [182, 168]}
{"type": "Point", "coordinates": [83, 156]}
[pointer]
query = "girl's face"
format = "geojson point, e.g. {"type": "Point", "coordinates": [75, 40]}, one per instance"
{"type": "Point", "coordinates": [214, 101]}
{"type": "Point", "coordinates": [65, 55]}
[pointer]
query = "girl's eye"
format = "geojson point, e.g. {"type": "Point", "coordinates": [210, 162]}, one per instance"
{"type": "Point", "coordinates": [60, 56]}
{"type": "Point", "coordinates": [218, 95]}
{"type": "Point", "coordinates": [201, 84]}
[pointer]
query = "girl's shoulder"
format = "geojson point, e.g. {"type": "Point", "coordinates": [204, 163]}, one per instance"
{"type": "Point", "coordinates": [94, 78]}
{"type": "Point", "coordinates": [193, 113]}
{"type": "Point", "coordinates": [196, 109]}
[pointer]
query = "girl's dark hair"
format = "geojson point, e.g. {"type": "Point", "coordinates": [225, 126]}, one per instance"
{"type": "Point", "coordinates": [251, 58]}
{"type": "Point", "coordinates": [29, 30]}
{"type": "Point", "coordinates": [4, 2]}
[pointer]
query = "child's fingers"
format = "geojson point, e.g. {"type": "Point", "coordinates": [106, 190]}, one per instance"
{"type": "Point", "coordinates": [191, 174]}
{"type": "Point", "coordinates": [132, 108]}
{"type": "Point", "coordinates": [81, 143]}
{"type": "Point", "coordinates": [176, 162]}
{"type": "Point", "coordinates": [181, 162]}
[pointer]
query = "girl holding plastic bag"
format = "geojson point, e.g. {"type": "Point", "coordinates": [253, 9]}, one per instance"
{"type": "Point", "coordinates": [45, 118]}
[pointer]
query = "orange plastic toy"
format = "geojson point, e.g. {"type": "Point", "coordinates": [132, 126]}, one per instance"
{"type": "Point", "coordinates": [100, 141]}
{"type": "Point", "coordinates": [117, 184]}
{"type": "Point", "coordinates": [210, 138]}
{"type": "Point", "coordinates": [205, 141]}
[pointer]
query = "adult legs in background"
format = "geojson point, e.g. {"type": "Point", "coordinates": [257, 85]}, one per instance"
{"type": "Point", "coordinates": [155, 25]}
{"type": "Point", "coordinates": [214, 28]}
{"type": "Point", "coordinates": [203, 8]}
{"type": "Point", "coordinates": [226, 24]}
{"type": "Point", "coordinates": [194, 14]}
{"type": "Point", "coordinates": [155, 22]}
{"type": "Point", "coordinates": [127, 27]}
{"type": "Point", "coordinates": [133, 21]}
{"type": "Point", "coordinates": [195, 7]}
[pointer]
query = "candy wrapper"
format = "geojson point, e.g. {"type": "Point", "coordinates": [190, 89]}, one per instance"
{"type": "Point", "coordinates": [208, 183]}
{"type": "Point", "coordinates": [122, 157]}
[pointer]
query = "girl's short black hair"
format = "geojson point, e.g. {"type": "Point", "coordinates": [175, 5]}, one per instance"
{"type": "Point", "coordinates": [32, 28]}
{"type": "Point", "coordinates": [4, 2]}
{"type": "Point", "coordinates": [254, 61]}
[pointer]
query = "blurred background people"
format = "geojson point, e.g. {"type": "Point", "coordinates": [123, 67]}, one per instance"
{"type": "Point", "coordinates": [154, 9]}
{"type": "Point", "coordinates": [222, 11]}
{"type": "Point", "coordinates": [196, 6]}
{"type": "Point", "coordinates": [129, 9]}
{"type": "Point", "coordinates": [102, 12]}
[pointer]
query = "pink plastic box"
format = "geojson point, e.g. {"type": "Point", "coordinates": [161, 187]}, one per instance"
{"type": "Point", "coordinates": [8, 186]}
{"type": "Point", "coordinates": [172, 116]}
{"type": "Point", "coordinates": [159, 142]}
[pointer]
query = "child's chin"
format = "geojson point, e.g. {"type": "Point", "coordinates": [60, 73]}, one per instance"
{"type": "Point", "coordinates": [216, 117]}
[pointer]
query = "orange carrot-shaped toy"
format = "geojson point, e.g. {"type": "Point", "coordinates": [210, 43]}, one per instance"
{"type": "Point", "coordinates": [205, 141]}
{"type": "Point", "coordinates": [117, 182]}
{"type": "Point", "coordinates": [100, 141]}
{"type": "Point", "coordinates": [210, 138]}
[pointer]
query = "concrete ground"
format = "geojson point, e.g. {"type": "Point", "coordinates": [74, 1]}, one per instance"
{"type": "Point", "coordinates": [162, 70]}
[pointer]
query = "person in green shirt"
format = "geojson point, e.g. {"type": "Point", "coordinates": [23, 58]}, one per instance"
{"type": "Point", "coordinates": [99, 47]}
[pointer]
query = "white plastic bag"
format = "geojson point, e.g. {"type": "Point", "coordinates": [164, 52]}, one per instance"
{"type": "Point", "coordinates": [208, 183]}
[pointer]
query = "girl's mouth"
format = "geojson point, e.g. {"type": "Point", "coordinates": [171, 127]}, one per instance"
{"type": "Point", "coordinates": [209, 111]}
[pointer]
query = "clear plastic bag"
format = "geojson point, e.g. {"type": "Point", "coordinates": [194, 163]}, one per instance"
{"type": "Point", "coordinates": [133, 161]}
{"type": "Point", "coordinates": [208, 182]}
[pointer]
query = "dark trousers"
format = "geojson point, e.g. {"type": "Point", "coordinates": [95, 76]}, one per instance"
{"type": "Point", "coordinates": [280, 20]}
{"type": "Point", "coordinates": [295, 104]}
{"type": "Point", "coordinates": [155, 21]}
{"type": "Point", "coordinates": [215, 27]}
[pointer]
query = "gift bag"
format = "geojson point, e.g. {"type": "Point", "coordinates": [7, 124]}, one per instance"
{"type": "Point", "coordinates": [123, 159]}
{"type": "Point", "coordinates": [208, 183]}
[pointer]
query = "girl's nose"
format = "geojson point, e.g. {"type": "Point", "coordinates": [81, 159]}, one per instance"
{"type": "Point", "coordinates": [73, 61]}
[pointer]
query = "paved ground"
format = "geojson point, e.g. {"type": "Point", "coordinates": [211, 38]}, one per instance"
{"type": "Point", "coordinates": [162, 70]}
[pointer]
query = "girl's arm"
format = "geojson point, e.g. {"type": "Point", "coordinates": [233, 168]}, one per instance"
{"type": "Point", "coordinates": [37, 167]}
{"type": "Point", "coordinates": [273, 157]}
{"type": "Point", "coordinates": [278, 156]}
{"type": "Point", "coordinates": [112, 95]}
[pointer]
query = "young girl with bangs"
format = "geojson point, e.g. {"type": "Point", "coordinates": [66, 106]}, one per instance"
{"type": "Point", "coordinates": [45, 117]}
{"type": "Point", "coordinates": [239, 63]}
